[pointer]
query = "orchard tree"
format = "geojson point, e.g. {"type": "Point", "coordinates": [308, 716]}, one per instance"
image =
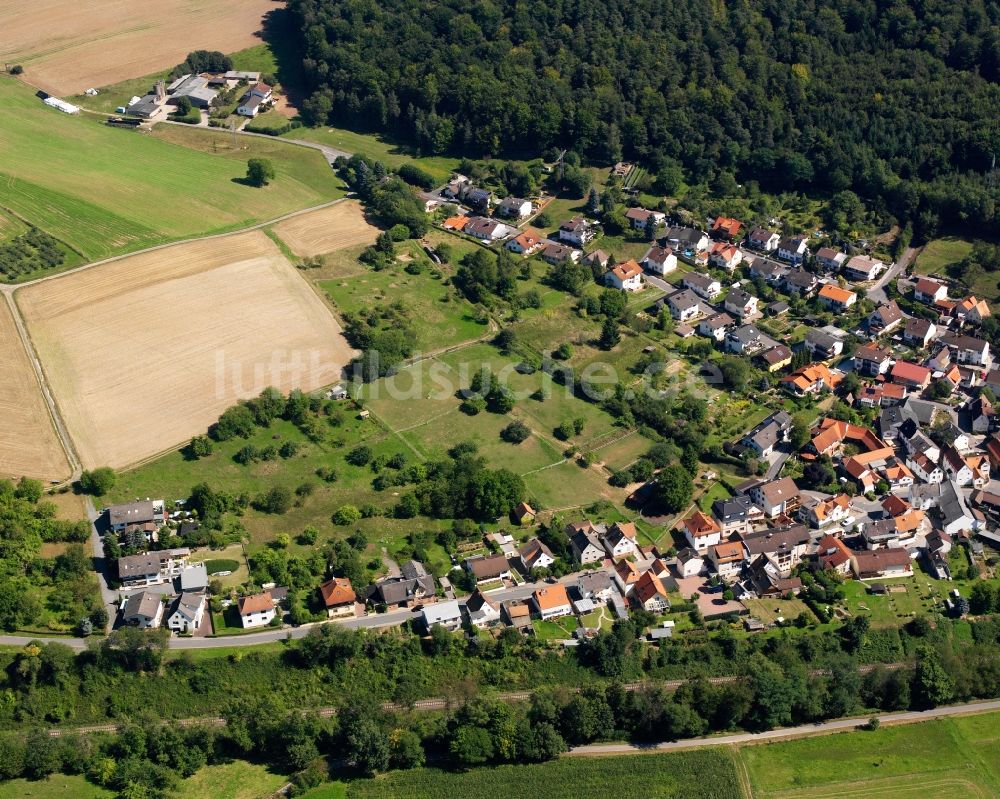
{"type": "Point", "coordinates": [260, 172]}
{"type": "Point", "coordinates": [674, 488]}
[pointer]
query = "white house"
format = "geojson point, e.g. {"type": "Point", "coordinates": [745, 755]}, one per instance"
{"type": "Point", "coordinates": [929, 291]}
{"type": "Point", "coordinates": [660, 260]}
{"type": "Point", "coordinates": [188, 613]}
{"type": "Point", "coordinates": [761, 239]}
{"type": "Point", "coordinates": [741, 303]}
{"type": "Point", "coordinates": [535, 555]}
{"type": "Point", "coordinates": [443, 614]}
{"type": "Point", "coordinates": [683, 305]}
{"type": "Point", "coordinates": [690, 562]}
{"type": "Point", "coordinates": [552, 601]}
{"type": "Point", "coordinates": [486, 229]}
{"type": "Point", "coordinates": [143, 610]}
{"type": "Point", "coordinates": [256, 610]}
{"type": "Point", "coordinates": [482, 611]}
{"type": "Point", "coordinates": [715, 327]}
{"type": "Point", "coordinates": [145, 513]}
{"type": "Point", "coordinates": [619, 541]}
{"type": "Point", "coordinates": [625, 276]}
{"type": "Point", "coordinates": [639, 217]}
{"type": "Point", "coordinates": [701, 531]}
{"type": "Point", "coordinates": [258, 95]}
{"type": "Point", "coordinates": [514, 207]}
{"type": "Point", "coordinates": [702, 285]}
{"type": "Point", "coordinates": [585, 545]}
{"type": "Point", "coordinates": [576, 231]}
{"type": "Point", "coordinates": [793, 249]}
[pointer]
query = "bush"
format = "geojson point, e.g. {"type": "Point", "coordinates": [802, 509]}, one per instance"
{"type": "Point", "coordinates": [278, 501]}
{"type": "Point", "coordinates": [97, 482]}
{"type": "Point", "coordinates": [345, 515]}
{"type": "Point", "coordinates": [268, 125]}
{"type": "Point", "coordinates": [415, 176]}
{"type": "Point", "coordinates": [515, 432]}
{"type": "Point", "coordinates": [17, 69]}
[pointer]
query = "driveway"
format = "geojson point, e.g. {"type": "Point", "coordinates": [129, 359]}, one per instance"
{"type": "Point", "coordinates": [709, 601]}
{"type": "Point", "coordinates": [109, 598]}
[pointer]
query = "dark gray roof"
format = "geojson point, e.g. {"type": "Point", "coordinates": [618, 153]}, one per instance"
{"type": "Point", "coordinates": [776, 540]}
{"type": "Point", "coordinates": [730, 510]}
{"type": "Point", "coordinates": [143, 603]}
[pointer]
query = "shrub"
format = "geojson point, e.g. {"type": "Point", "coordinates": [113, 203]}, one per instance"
{"type": "Point", "coordinates": [97, 482]}
{"type": "Point", "coordinates": [415, 176]}
{"type": "Point", "coordinates": [345, 515]}
{"type": "Point", "coordinates": [515, 432]}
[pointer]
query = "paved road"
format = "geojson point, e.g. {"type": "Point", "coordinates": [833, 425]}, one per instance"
{"type": "Point", "coordinates": [110, 598]}
{"type": "Point", "coordinates": [877, 292]}
{"type": "Point", "coordinates": [826, 727]}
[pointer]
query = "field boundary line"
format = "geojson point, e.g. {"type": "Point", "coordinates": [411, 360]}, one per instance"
{"type": "Point", "coordinates": [742, 772]}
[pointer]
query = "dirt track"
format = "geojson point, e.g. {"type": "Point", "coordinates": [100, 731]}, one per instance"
{"type": "Point", "coordinates": [28, 443]}
{"type": "Point", "coordinates": [67, 46]}
{"type": "Point", "coordinates": [144, 352]}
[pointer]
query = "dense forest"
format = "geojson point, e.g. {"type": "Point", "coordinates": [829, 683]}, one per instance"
{"type": "Point", "coordinates": [894, 99]}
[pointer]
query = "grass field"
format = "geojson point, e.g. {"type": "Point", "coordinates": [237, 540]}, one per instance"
{"type": "Point", "coordinates": [942, 759]}
{"type": "Point", "coordinates": [209, 322]}
{"type": "Point", "coordinates": [105, 191]}
{"type": "Point", "coordinates": [236, 780]}
{"type": "Point", "coordinates": [376, 146]}
{"type": "Point", "coordinates": [939, 253]}
{"type": "Point", "coordinates": [58, 786]}
{"type": "Point", "coordinates": [703, 774]}
{"type": "Point", "coordinates": [66, 51]}
{"type": "Point", "coordinates": [28, 442]}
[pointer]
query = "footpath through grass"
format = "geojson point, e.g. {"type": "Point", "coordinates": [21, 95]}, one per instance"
{"type": "Point", "coordinates": [105, 191]}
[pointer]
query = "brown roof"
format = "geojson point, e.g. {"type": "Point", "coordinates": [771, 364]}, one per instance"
{"type": "Point", "coordinates": [648, 586]}
{"type": "Point", "coordinates": [626, 270]}
{"type": "Point", "coordinates": [336, 592]}
{"type": "Point", "coordinates": [257, 603]}
{"type": "Point", "coordinates": [490, 566]}
{"type": "Point", "coordinates": [700, 524]}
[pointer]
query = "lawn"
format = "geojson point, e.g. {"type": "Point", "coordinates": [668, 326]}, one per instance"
{"type": "Point", "coordinates": [105, 191]}
{"type": "Point", "coordinates": [714, 492]}
{"type": "Point", "coordinates": [768, 610]}
{"type": "Point", "coordinates": [378, 147]}
{"type": "Point", "coordinates": [702, 774]}
{"type": "Point", "coordinates": [938, 254]}
{"type": "Point", "coordinates": [556, 629]}
{"type": "Point", "coordinates": [236, 780]}
{"type": "Point", "coordinates": [934, 759]}
{"type": "Point", "coordinates": [58, 786]}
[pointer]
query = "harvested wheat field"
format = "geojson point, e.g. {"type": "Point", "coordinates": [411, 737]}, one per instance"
{"type": "Point", "coordinates": [28, 442]}
{"type": "Point", "coordinates": [327, 230]}
{"type": "Point", "coordinates": [144, 352]}
{"type": "Point", "coordinates": [67, 46]}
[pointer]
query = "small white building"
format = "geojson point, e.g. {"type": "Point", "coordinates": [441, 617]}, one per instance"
{"type": "Point", "coordinates": [625, 276]}
{"type": "Point", "coordinates": [442, 614]}
{"type": "Point", "coordinates": [188, 613]}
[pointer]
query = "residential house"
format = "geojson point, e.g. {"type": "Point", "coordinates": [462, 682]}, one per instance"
{"type": "Point", "coordinates": [598, 257]}
{"type": "Point", "coordinates": [660, 260]}
{"type": "Point", "coordinates": [727, 559]}
{"type": "Point", "coordinates": [981, 415]}
{"type": "Point", "coordinates": [783, 547]}
{"type": "Point", "coordinates": [523, 513]}
{"type": "Point", "coordinates": [799, 282]}
{"type": "Point", "coordinates": [743, 340]}
{"type": "Point", "coordinates": [456, 223]}
{"type": "Point", "coordinates": [413, 585]}
{"type": "Point", "coordinates": [924, 468]}
{"type": "Point", "coordinates": [188, 612]}
{"type": "Point", "coordinates": [726, 228]}
{"type": "Point", "coordinates": [526, 242]}
{"type": "Point", "coordinates": [733, 515]}
{"type": "Point", "coordinates": [830, 259]}
{"type": "Point", "coordinates": [686, 241]}
{"type": "Point", "coordinates": [442, 614]}
{"type": "Point", "coordinates": [704, 286]}
{"type": "Point", "coordinates": [535, 555]}
{"type": "Point", "coordinates": [338, 597]}
{"type": "Point", "coordinates": [764, 240]}
{"type": "Point", "coordinates": [479, 199]}
{"type": "Point", "coordinates": [969, 350]}
{"type": "Point", "coordinates": [715, 327]}
{"type": "Point", "coordinates": [929, 291]}
{"type": "Point", "coordinates": [620, 540]}
{"type": "Point", "coordinates": [586, 546]}
{"type": "Point", "coordinates": [701, 531]}
{"type": "Point", "coordinates": [626, 575]}
{"type": "Point", "coordinates": [256, 610]}
{"type": "Point", "coordinates": [556, 254]}
{"type": "Point", "coordinates": [911, 375]}
{"type": "Point", "coordinates": [898, 475]}
{"type": "Point", "coordinates": [810, 379]}
{"type": "Point", "coordinates": [768, 271]}
{"type": "Point", "coordinates": [833, 555]}
{"type": "Point", "coordinates": [152, 568]}
{"type": "Point", "coordinates": [143, 610]}
{"type": "Point", "coordinates": [741, 303]}
{"type": "Point", "coordinates": [596, 586]}
{"type": "Point", "coordinates": [872, 360]}
{"type": "Point", "coordinates": [794, 249]}
{"type": "Point", "coordinates": [626, 276]}
{"type": "Point", "coordinates": [517, 613]}
{"type": "Point", "coordinates": [885, 318]}
{"type": "Point", "coordinates": [972, 310]}
{"type": "Point", "coordinates": [862, 268]}
{"type": "Point", "coordinates": [194, 577]}
{"type": "Point", "coordinates": [552, 601]}
{"type": "Point", "coordinates": [456, 187]}
{"type": "Point", "coordinates": [649, 594]}
{"type": "Point", "coordinates": [918, 332]}
{"type": "Point", "coordinates": [776, 497]}
{"type": "Point", "coordinates": [639, 218]}
{"type": "Point", "coordinates": [881, 563]}
{"type": "Point", "coordinates": [822, 346]}
{"type": "Point", "coordinates": [577, 231]}
{"type": "Point", "coordinates": [767, 582]}
{"type": "Point", "coordinates": [820, 513]}
{"type": "Point", "coordinates": [765, 436]}
{"type": "Point", "coordinates": [684, 305]}
{"type": "Point", "coordinates": [482, 611]}
{"type": "Point", "coordinates": [690, 562]}
{"type": "Point", "coordinates": [954, 514]}
{"type": "Point", "coordinates": [251, 104]}
{"type": "Point", "coordinates": [725, 256]}
{"type": "Point", "coordinates": [486, 229]}
{"type": "Point", "coordinates": [834, 298]}
{"type": "Point", "coordinates": [487, 569]}
{"type": "Point", "coordinates": [149, 513]}
{"type": "Point", "coordinates": [776, 358]}
{"type": "Point", "coordinates": [514, 208]}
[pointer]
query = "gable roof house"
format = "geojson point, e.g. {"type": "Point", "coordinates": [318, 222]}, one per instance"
{"type": "Point", "coordinates": [968, 350]}
{"type": "Point", "coordinates": [626, 276]}
{"type": "Point", "coordinates": [872, 360]}
{"type": "Point", "coordinates": [338, 597]}
{"type": "Point", "coordinates": [725, 256]}
{"type": "Point", "coordinates": [413, 585]}
{"type": "Point", "coordinates": [576, 231]}
{"type": "Point", "coordinates": [686, 241]}
{"type": "Point", "coordinates": [833, 555]}
{"type": "Point", "coordinates": [598, 257]}
{"type": "Point", "coordinates": [715, 327]}
{"type": "Point", "coordinates": [442, 614]}
{"type": "Point", "coordinates": [482, 611]}
{"type": "Point", "coordinates": [830, 258]}
{"type": "Point", "coordinates": [740, 302]}
{"type": "Point", "coordinates": [639, 217]}
{"type": "Point", "coordinates": [620, 540]}
{"type": "Point", "coordinates": [704, 286]}
{"type": "Point", "coordinates": [776, 496]}
{"type": "Point", "coordinates": [794, 249]}
{"type": "Point", "coordinates": [660, 260]}
{"type": "Point", "coordinates": [188, 612]}
{"type": "Point", "coordinates": [982, 416]}
{"type": "Point", "coordinates": [143, 609]}
{"type": "Point", "coordinates": [761, 239]}
{"type": "Point", "coordinates": [485, 228]}
{"type": "Point", "coordinates": [596, 586]}
{"type": "Point", "coordinates": [810, 379]}
{"type": "Point", "coordinates": [734, 515]}
{"type": "Point", "coordinates": [535, 555]}
{"type": "Point", "coordinates": [911, 375]}
{"type": "Point", "coordinates": [783, 547]}
{"type": "Point", "coordinates": [148, 512]}
{"type": "Point", "coordinates": [726, 228]}
{"type": "Point", "coordinates": [683, 305]}
{"type": "Point", "coordinates": [771, 431]}
{"type": "Point", "coordinates": [745, 339]}
{"type": "Point", "coordinates": [649, 594]}
{"type": "Point", "coordinates": [256, 610]}
{"type": "Point", "coordinates": [526, 242]}
{"type": "Point", "coordinates": [973, 310]}
{"type": "Point", "coordinates": [776, 358]}
{"type": "Point", "coordinates": [514, 207]}
{"type": "Point", "coordinates": [552, 601]}
{"type": "Point", "coordinates": [862, 268]}
{"type": "Point", "coordinates": [881, 563]}
{"type": "Point", "coordinates": [929, 291]}
{"type": "Point", "coordinates": [822, 512]}
{"type": "Point", "coordinates": [799, 282]}
{"type": "Point", "coordinates": [727, 559]}
{"type": "Point", "coordinates": [701, 531]}
{"type": "Point", "coordinates": [489, 568]}
{"type": "Point", "coordinates": [835, 298]}
{"type": "Point", "coordinates": [586, 546]}
{"type": "Point", "coordinates": [919, 332]}
{"type": "Point", "coordinates": [821, 345]}
{"type": "Point", "coordinates": [768, 271]}
{"type": "Point", "coordinates": [885, 318]}
{"type": "Point", "coordinates": [480, 199]}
